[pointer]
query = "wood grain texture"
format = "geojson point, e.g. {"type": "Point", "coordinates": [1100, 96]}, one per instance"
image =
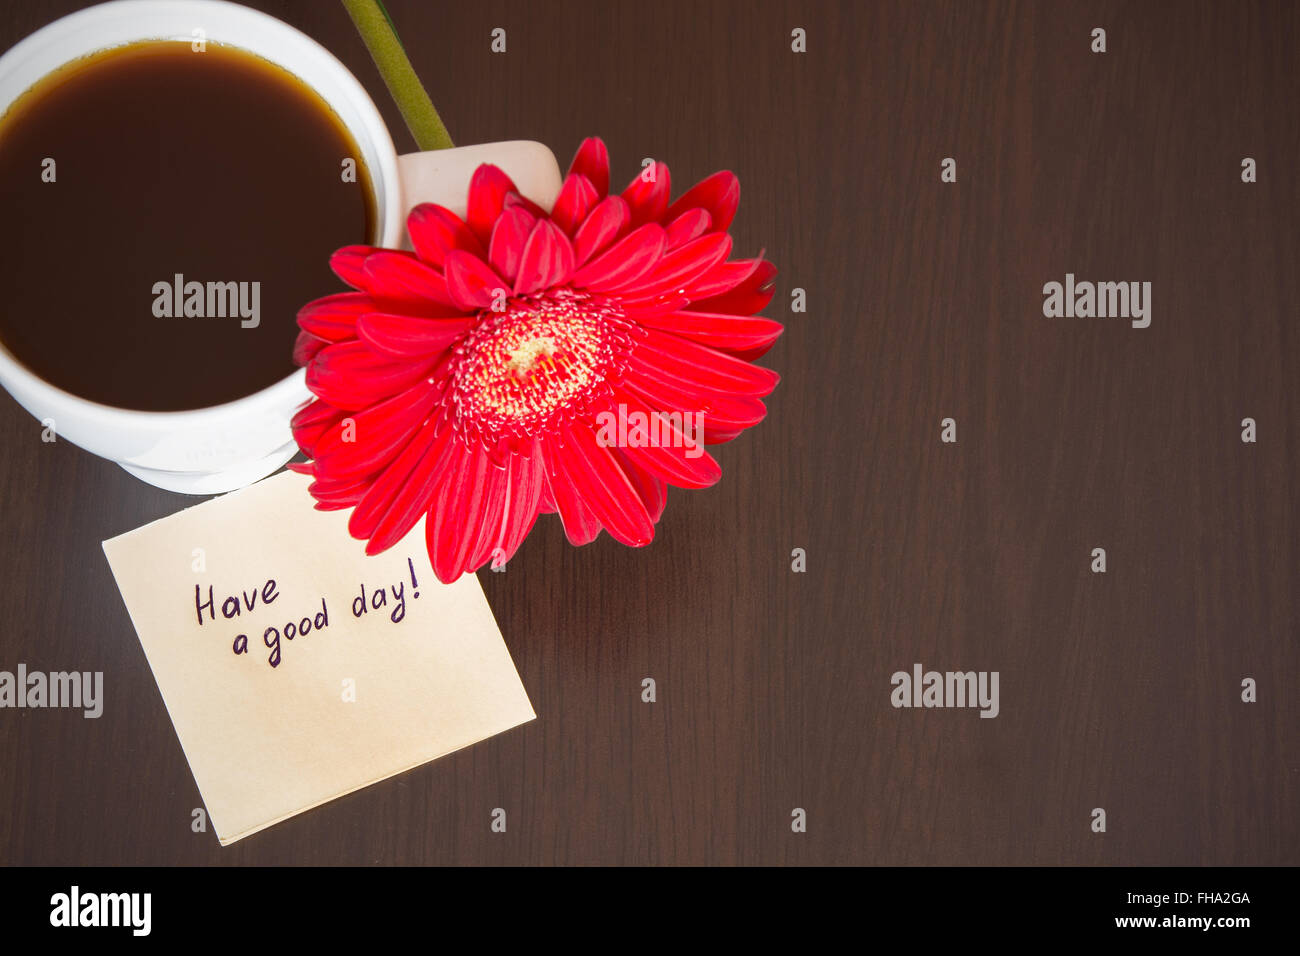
{"type": "Point", "coordinates": [1119, 690]}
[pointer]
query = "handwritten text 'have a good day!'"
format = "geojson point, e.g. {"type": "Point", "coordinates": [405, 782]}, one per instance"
{"type": "Point", "coordinates": [249, 602]}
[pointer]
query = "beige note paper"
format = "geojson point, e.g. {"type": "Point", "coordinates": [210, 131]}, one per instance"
{"type": "Point", "coordinates": [297, 669]}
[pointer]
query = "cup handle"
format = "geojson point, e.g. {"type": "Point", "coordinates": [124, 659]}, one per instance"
{"type": "Point", "coordinates": [442, 175]}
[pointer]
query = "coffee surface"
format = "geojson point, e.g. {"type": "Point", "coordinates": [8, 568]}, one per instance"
{"type": "Point", "coordinates": [165, 214]}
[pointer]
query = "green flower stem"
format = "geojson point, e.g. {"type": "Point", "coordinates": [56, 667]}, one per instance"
{"type": "Point", "coordinates": [381, 40]}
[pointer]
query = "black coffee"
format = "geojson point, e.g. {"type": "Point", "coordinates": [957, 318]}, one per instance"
{"type": "Point", "coordinates": [166, 214]}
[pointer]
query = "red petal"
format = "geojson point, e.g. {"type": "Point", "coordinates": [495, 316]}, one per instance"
{"type": "Point", "coordinates": [341, 504]}
{"type": "Point", "coordinates": [630, 258]}
{"type": "Point", "coordinates": [349, 375]}
{"type": "Point", "coordinates": [334, 317]}
{"type": "Point", "coordinates": [718, 195]}
{"type": "Point", "coordinates": [362, 444]}
{"type": "Point", "coordinates": [487, 194]}
{"type": "Point", "coordinates": [596, 476]}
{"type": "Point", "coordinates": [580, 523]}
{"type": "Point", "coordinates": [515, 200]}
{"type": "Point", "coordinates": [547, 504]}
{"type": "Point", "coordinates": [347, 264]}
{"type": "Point", "coordinates": [377, 500]}
{"type": "Point", "coordinates": [576, 199]}
{"type": "Point", "coordinates": [651, 488]}
{"type": "Point", "coordinates": [605, 223]}
{"type": "Point", "coordinates": [547, 259]}
{"type": "Point", "coordinates": [689, 225]}
{"type": "Point", "coordinates": [640, 309]}
{"type": "Point", "coordinates": [679, 268]}
{"type": "Point", "coordinates": [455, 518]}
{"type": "Point", "coordinates": [436, 231]}
{"type": "Point", "coordinates": [305, 347]}
{"type": "Point", "coordinates": [749, 296]}
{"type": "Point", "coordinates": [683, 360]}
{"type": "Point", "coordinates": [716, 436]}
{"type": "Point", "coordinates": [336, 495]}
{"type": "Point", "coordinates": [732, 333]}
{"type": "Point", "coordinates": [496, 490]}
{"type": "Point", "coordinates": [647, 194]}
{"type": "Point", "coordinates": [592, 161]}
{"type": "Point", "coordinates": [313, 420]}
{"type": "Point", "coordinates": [722, 278]}
{"type": "Point", "coordinates": [680, 461]}
{"type": "Point", "coordinates": [721, 412]}
{"type": "Point", "coordinates": [405, 336]}
{"type": "Point", "coordinates": [524, 495]}
{"type": "Point", "coordinates": [673, 465]}
{"type": "Point", "coordinates": [402, 498]}
{"type": "Point", "coordinates": [508, 238]}
{"type": "Point", "coordinates": [472, 283]}
{"type": "Point", "coordinates": [401, 279]}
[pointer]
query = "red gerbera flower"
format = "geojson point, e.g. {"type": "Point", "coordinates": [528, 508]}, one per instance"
{"type": "Point", "coordinates": [463, 382]}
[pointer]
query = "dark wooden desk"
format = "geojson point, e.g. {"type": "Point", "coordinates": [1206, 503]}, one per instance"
{"type": "Point", "coordinates": [1118, 690]}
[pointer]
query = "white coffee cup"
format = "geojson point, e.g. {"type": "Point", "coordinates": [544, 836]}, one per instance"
{"type": "Point", "coordinates": [224, 447]}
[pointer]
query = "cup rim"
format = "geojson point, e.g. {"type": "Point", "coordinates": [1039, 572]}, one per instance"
{"type": "Point", "coordinates": [371, 120]}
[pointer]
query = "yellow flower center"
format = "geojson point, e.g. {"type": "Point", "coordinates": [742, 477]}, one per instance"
{"type": "Point", "coordinates": [537, 364]}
